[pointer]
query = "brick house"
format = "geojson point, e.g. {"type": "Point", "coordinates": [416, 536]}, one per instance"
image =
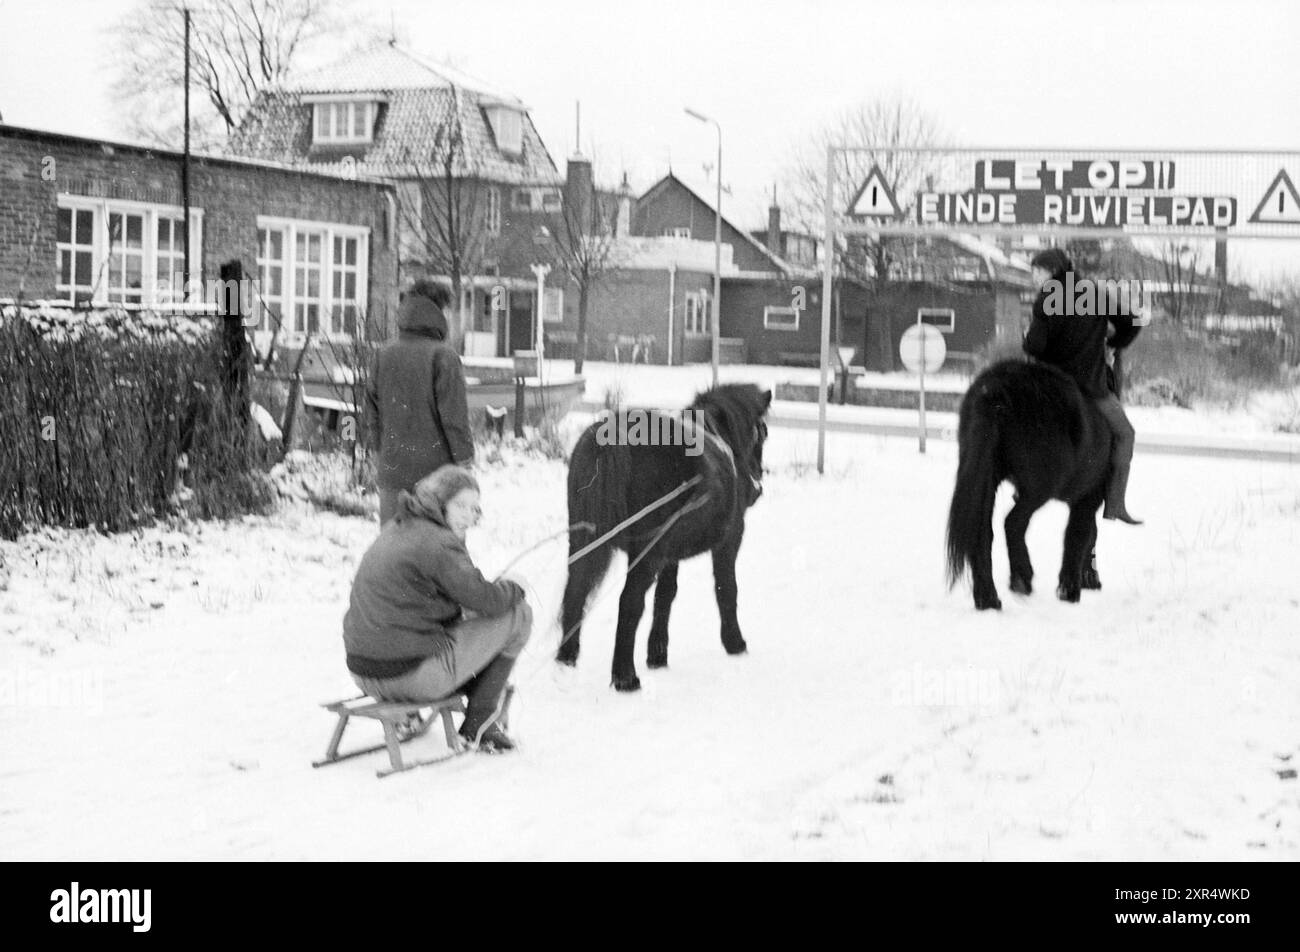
{"type": "Point", "coordinates": [466, 160]}
{"type": "Point", "coordinates": [84, 221]}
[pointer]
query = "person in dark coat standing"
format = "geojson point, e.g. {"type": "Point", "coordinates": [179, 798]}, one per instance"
{"type": "Point", "coordinates": [1077, 344]}
{"type": "Point", "coordinates": [422, 621]}
{"type": "Point", "coordinates": [417, 416]}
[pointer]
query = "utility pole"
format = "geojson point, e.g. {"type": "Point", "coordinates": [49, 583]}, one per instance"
{"type": "Point", "coordinates": [185, 169]}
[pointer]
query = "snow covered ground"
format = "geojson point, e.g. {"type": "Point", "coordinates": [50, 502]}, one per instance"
{"type": "Point", "coordinates": [159, 690]}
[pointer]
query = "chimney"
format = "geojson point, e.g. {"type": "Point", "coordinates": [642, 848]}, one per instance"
{"type": "Point", "coordinates": [579, 190]}
{"type": "Point", "coordinates": [774, 226]}
{"type": "Point", "coordinates": [623, 224]}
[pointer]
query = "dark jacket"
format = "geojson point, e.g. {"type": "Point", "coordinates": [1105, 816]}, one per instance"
{"type": "Point", "coordinates": [416, 412]}
{"type": "Point", "coordinates": [411, 585]}
{"type": "Point", "coordinates": [1077, 343]}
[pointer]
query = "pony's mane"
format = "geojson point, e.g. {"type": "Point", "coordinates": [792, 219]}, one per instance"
{"type": "Point", "coordinates": [734, 408]}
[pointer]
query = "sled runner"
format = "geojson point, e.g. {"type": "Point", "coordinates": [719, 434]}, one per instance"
{"type": "Point", "coordinates": [402, 721]}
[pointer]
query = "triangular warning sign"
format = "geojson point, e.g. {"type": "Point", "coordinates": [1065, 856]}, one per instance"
{"type": "Point", "coordinates": [1281, 204]}
{"type": "Point", "coordinates": [875, 197]}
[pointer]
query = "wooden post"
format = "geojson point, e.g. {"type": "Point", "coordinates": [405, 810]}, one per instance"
{"type": "Point", "coordinates": [231, 305]}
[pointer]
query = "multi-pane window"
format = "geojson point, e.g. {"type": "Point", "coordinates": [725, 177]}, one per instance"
{"type": "Point", "coordinates": [126, 258]}
{"type": "Point", "coordinates": [312, 276]}
{"type": "Point", "coordinates": [76, 244]}
{"type": "Point", "coordinates": [171, 255]}
{"type": "Point", "coordinates": [308, 266]}
{"type": "Point", "coordinates": [344, 122]}
{"type": "Point", "coordinates": [270, 267]}
{"type": "Point", "coordinates": [346, 279]}
{"type": "Point", "coordinates": [697, 313]}
{"type": "Point", "coordinates": [119, 252]}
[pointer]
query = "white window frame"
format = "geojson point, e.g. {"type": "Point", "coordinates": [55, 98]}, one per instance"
{"type": "Point", "coordinates": [100, 210]}
{"type": "Point", "coordinates": [945, 312]}
{"type": "Point", "coordinates": [780, 313]}
{"type": "Point", "coordinates": [517, 205]}
{"type": "Point", "coordinates": [335, 132]}
{"type": "Point", "coordinates": [290, 332]}
{"type": "Point", "coordinates": [698, 314]}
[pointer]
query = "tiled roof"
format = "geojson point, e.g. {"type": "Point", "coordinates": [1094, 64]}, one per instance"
{"type": "Point", "coordinates": [409, 130]}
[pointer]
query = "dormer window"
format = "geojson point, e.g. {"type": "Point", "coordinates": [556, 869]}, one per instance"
{"type": "Point", "coordinates": [508, 128]}
{"type": "Point", "coordinates": [344, 123]}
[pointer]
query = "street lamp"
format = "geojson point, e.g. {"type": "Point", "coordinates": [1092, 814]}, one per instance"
{"type": "Point", "coordinates": [716, 314]}
{"type": "Point", "coordinates": [541, 271]}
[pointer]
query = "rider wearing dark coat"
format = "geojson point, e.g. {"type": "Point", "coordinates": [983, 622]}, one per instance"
{"type": "Point", "coordinates": [1077, 343]}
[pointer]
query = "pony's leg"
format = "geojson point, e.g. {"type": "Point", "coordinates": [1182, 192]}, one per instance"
{"type": "Point", "coordinates": [665, 592]}
{"type": "Point", "coordinates": [584, 575]}
{"type": "Point", "coordinates": [724, 587]}
{"type": "Point", "coordinates": [1017, 524]}
{"type": "Point", "coordinates": [1091, 580]}
{"type": "Point", "coordinates": [981, 570]}
{"type": "Point", "coordinates": [1081, 527]}
{"type": "Point", "coordinates": [631, 605]}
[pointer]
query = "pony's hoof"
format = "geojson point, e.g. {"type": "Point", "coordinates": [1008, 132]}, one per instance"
{"type": "Point", "coordinates": [627, 684]}
{"type": "Point", "coordinates": [1021, 586]}
{"type": "Point", "coordinates": [736, 648]}
{"type": "Point", "coordinates": [1091, 580]}
{"type": "Point", "coordinates": [656, 660]}
{"type": "Point", "coordinates": [568, 660]}
{"type": "Point", "coordinates": [1067, 593]}
{"type": "Point", "coordinates": [983, 604]}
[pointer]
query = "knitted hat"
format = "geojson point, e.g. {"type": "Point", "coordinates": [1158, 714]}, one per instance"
{"type": "Point", "coordinates": [442, 485]}
{"type": "Point", "coordinates": [1054, 261]}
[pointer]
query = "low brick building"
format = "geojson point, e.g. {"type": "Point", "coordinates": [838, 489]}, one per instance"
{"type": "Point", "coordinates": [84, 221]}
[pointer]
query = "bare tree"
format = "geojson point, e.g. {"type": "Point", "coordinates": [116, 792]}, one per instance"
{"type": "Point", "coordinates": [876, 125]}
{"type": "Point", "coordinates": [584, 245]}
{"type": "Point", "coordinates": [237, 49]}
{"type": "Point", "coordinates": [1186, 293]}
{"type": "Point", "coordinates": [442, 211]}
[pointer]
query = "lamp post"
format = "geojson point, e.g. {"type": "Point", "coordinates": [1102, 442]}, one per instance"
{"type": "Point", "coordinates": [715, 311]}
{"type": "Point", "coordinates": [541, 270]}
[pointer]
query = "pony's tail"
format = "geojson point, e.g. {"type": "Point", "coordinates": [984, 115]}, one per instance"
{"type": "Point", "coordinates": [970, 517]}
{"type": "Point", "coordinates": [600, 477]}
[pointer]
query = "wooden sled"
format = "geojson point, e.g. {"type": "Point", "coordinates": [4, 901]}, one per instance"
{"type": "Point", "coordinates": [395, 718]}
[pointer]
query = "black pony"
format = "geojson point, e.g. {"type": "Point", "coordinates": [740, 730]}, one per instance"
{"type": "Point", "coordinates": [1029, 423]}
{"type": "Point", "coordinates": [630, 461]}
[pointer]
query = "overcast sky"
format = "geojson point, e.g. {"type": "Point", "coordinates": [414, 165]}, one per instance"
{"type": "Point", "coordinates": [1159, 73]}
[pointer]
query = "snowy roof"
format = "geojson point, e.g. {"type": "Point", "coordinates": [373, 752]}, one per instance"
{"type": "Point", "coordinates": [418, 103]}
{"type": "Point", "coordinates": [387, 66]}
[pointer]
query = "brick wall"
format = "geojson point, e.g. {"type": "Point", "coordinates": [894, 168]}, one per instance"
{"type": "Point", "coordinates": [37, 167]}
